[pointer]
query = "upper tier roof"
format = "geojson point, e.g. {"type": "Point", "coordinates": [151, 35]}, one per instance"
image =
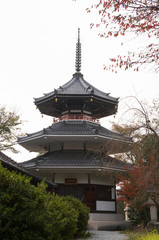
{"type": "Point", "coordinates": [77, 96]}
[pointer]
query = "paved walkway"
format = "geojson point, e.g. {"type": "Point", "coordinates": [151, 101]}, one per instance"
{"type": "Point", "coordinates": [106, 235]}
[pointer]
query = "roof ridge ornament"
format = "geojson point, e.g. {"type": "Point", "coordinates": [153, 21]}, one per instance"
{"type": "Point", "coordinates": [78, 54]}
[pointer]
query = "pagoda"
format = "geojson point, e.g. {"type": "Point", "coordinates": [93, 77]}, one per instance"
{"type": "Point", "coordinates": [75, 150]}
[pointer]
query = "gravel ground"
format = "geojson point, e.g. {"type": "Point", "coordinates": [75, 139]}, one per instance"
{"type": "Point", "coordinates": [106, 235]}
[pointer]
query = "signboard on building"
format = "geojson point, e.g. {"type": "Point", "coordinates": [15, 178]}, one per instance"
{"type": "Point", "coordinates": [70, 180]}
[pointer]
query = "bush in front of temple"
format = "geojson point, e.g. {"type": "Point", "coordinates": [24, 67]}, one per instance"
{"type": "Point", "coordinates": [83, 215]}
{"type": "Point", "coordinates": [30, 213]}
{"type": "Point", "coordinates": [66, 218]}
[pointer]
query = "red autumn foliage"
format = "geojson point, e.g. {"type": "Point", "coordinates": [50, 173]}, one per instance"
{"type": "Point", "coordinates": [137, 17]}
{"type": "Point", "coordinates": [138, 182]}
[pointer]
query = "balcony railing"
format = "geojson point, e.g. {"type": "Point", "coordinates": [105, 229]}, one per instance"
{"type": "Point", "coordinates": [76, 117]}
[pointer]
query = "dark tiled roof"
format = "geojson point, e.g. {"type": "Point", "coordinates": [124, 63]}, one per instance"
{"type": "Point", "coordinates": [75, 127]}
{"type": "Point", "coordinates": [76, 159]}
{"type": "Point", "coordinates": [77, 95]}
{"type": "Point", "coordinates": [11, 165]}
{"type": "Point", "coordinates": [78, 86]}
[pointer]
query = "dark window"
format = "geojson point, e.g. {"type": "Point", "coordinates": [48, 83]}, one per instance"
{"type": "Point", "coordinates": [73, 190]}
{"type": "Point", "coordinates": [103, 193]}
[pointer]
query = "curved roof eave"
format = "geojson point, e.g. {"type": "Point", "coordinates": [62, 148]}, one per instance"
{"type": "Point", "coordinates": [77, 86]}
{"type": "Point", "coordinates": [75, 160]}
{"type": "Point", "coordinates": [27, 138]}
{"type": "Point", "coordinates": [77, 167]}
{"type": "Point", "coordinates": [76, 128]}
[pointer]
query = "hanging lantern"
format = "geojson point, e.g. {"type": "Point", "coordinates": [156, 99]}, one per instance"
{"type": "Point", "coordinates": [56, 99]}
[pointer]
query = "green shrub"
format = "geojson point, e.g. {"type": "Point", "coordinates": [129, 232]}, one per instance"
{"type": "Point", "coordinates": [30, 213]}
{"type": "Point", "coordinates": [83, 215]}
{"type": "Point", "coordinates": [149, 236]}
{"type": "Point", "coordinates": [139, 215]}
{"type": "Point", "coordinates": [66, 217]}
{"type": "Point", "coordinates": [143, 236]}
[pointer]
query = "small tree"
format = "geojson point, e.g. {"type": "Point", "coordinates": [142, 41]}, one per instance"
{"type": "Point", "coordinates": [135, 187]}
{"type": "Point", "coordinates": [142, 125]}
{"type": "Point", "coordinates": [9, 129]}
{"type": "Point", "coordinates": [142, 181]}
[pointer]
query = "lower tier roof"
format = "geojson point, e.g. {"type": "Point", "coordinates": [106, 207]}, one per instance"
{"type": "Point", "coordinates": [11, 165]}
{"type": "Point", "coordinates": [76, 160]}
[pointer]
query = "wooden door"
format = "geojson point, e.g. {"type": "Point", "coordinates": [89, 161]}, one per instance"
{"type": "Point", "coordinates": [90, 197]}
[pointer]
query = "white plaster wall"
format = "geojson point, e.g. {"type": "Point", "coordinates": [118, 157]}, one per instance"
{"type": "Point", "coordinates": [105, 206]}
{"type": "Point", "coordinates": [102, 179]}
{"type": "Point", "coordinates": [92, 146]}
{"type": "Point", "coordinates": [81, 178]}
{"type": "Point", "coordinates": [55, 146]}
{"type": "Point", "coordinates": [74, 145]}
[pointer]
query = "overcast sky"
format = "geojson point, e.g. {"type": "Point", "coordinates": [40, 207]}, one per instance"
{"type": "Point", "coordinates": [37, 54]}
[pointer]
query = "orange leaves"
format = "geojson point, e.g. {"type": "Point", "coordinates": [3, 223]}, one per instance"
{"type": "Point", "coordinates": [104, 4]}
{"type": "Point", "coordinates": [142, 15]}
{"type": "Point", "coordinates": [88, 10]}
{"type": "Point", "coordinates": [113, 59]}
{"type": "Point", "coordinates": [116, 34]}
{"type": "Point", "coordinates": [110, 33]}
{"type": "Point", "coordinates": [97, 25]}
{"type": "Point", "coordinates": [119, 17]}
{"type": "Point", "coordinates": [148, 27]}
{"type": "Point", "coordinates": [133, 60]}
{"type": "Point", "coordinates": [91, 25]}
{"type": "Point", "coordinates": [138, 181]}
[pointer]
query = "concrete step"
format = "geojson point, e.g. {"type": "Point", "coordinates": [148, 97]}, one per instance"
{"type": "Point", "coordinates": [106, 217]}
{"type": "Point", "coordinates": [107, 222]}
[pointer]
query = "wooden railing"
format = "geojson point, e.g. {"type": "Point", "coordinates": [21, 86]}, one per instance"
{"type": "Point", "coordinates": [76, 117]}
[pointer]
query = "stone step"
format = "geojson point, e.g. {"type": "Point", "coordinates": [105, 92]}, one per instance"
{"type": "Point", "coordinates": [108, 225]}
{"type": "Point", "coordinates": [107, 221]}
{"type": "Point", "coordinates": [106, 217]}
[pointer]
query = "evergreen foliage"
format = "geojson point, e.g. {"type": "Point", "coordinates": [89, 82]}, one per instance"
{"type": "Point", "coordinates": [9, 129]}
{"type": "Point", "coordinates": [30, 213]}
{"type": "Point", "coordinates": [83, 215]}
{"type": "Point", "coordinates": [139, 215]}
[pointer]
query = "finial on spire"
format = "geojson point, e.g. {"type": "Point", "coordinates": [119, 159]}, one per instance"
{"type": "Point", "coordinates": [78, 34]}
{"type": "Point", "coordinates": [78, 53]}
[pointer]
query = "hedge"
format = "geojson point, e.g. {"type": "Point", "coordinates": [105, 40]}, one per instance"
{"type": "Point", "coordinates": [30, 213]}
{"type": "Point", "coordinates": [83, 215]}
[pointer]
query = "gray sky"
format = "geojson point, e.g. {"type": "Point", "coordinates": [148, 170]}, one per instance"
{"type": "Point", "coordinates": [37, 54]}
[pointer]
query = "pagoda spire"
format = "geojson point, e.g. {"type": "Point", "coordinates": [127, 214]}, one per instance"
{"type": "Point", "coordinates": [78, 54]}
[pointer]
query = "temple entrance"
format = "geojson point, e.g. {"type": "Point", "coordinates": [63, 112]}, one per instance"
{"type": "Point", "coordinates": [96, 197]}
{"type": "Point", "coordinates": [86, 193]}
{"type": "Point", "coordinates": [71, 190]}
{"type": "Point", "coordinates": [90, 197]}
